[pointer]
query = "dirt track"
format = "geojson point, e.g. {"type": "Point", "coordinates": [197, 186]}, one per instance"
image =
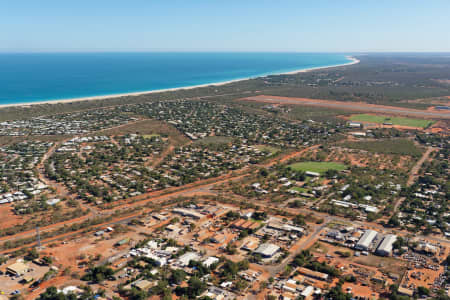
{"type": "Point", "coordinates": [352, 106]}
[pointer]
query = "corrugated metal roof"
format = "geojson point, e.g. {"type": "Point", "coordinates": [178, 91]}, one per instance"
{"type": "Point", "coordinates": [366, 239]}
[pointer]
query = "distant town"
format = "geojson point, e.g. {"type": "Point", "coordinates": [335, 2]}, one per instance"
{"type": "Point", "coordinates": [253, 190]}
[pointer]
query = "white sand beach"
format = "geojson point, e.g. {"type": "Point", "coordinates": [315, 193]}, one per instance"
{"type": "Point", "coordinates": [352, 62]}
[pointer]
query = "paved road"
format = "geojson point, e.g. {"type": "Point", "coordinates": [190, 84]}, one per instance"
{"type": "Point", "coordinates": [275, 269]}
{"type": "Point", "coordinates": [198, 188]}
{"type": "Point", "coordinates": [205, 188]}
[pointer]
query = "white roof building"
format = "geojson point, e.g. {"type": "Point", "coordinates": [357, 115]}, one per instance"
{"type": "Point", "coordinates": [152, 245]}
{"type": "Point", "coordinates": [188, 213]}
{"type": "Point", "coordinates": [160, 261]}
{"type": "Point", "coordinates": [71, 290]}
{"type": "Point", "coordinates": [358, 133]}
{"type": "Point", "coordinates": [210, 261]}
{"type": "Point", "coordinates": [53, 201]}
{"type": "Point", "coordinates": [267, 249]}
{"type": "Point", "coordinates": [184, 259]}
{"type": "Point", "coordinates": [312, 174]}
{"type": "Point", "coordinates": [308, 291]}
{"type": "Point", "coordinates": [385, 248]}
{"type": "Point", "coordinates": [354, 124]}
{"type": "Point", "coordinates": [366, 239]}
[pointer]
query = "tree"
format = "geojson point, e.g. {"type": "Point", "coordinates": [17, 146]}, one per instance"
{"type": "Point", "coordinates": [394, 221]}
{"type": "Point", "coordinates": [399, 242]}
{"type": "Point", "coordinates": [447, 260]}
{"type": "Point", "coordinates": [287, 271]}
{"type": "Point", "coordinates": [243, 234]}
{"type": "Point", "coordinates": [231, 249]}
{"type": "Point", "coordinates": [336, 293]}
{"type": "Point", "coordinates": [47, 260]}
{"type": "Point", "coordinates": [98, 274]}
{"type": "Point", "coordinates": [350, 278]}
{"type": "Point", "coordinates": [52, 293]}
{"type": "Point", "coordinates": [261, 216]}
{"type": "Point", "coordinates": [240, 285]}
{"type": "Point", "coordinates": [441, 295]}
{"type": "Point", "coordinates": [299, 220]}
{"type": "Point", "coordinates": [302, 258]}
{"type": "Point", "coordinates": [195, 288]}
{"type": "Point", "coordinates": [3, 259]}
{"type": "Point", "coordinates": [135, 294]}
{"type": "Point", "coordinates": [423, 291]}
{"type": "Point", "coordinates": [394, 296]}
{"type": "Point", "coordinates": [160, 288]}
{"type": "Point", "coordinates": [177, 276]}
{"type": "Point", "coordinates": [263, 172]}
{"type": "Point", "coordinates": [231, 215]}
{"type": "Point", "coordinates": [32, 254]}
{"type": "Point", "coordinates": [331, 173]}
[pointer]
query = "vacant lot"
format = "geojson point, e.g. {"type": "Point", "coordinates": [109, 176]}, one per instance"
{"type": "Point", "coordinates": [393, 120]}
{"type": "Point", "coordinates": [319, 167]}
{"type": "Point", "coordinates": [149, 128]}
{"type": "Point", "coordinates": [399, 146]}
{"type": "Point", "coordinates": [384, 264]}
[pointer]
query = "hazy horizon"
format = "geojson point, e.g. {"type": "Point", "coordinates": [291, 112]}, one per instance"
{"type": "Point", "coordinates": [350, 53]}
{"type": "Point", "coordinates": [235, 26]}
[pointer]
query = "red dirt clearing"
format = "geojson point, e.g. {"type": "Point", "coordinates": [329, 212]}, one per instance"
{"type": "Point", "coordinates": [8, 218]}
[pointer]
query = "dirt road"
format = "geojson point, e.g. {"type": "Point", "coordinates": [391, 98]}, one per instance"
{"type": "Point", "coordinates": [275, 269]}
{"type": "Point", "coordinates": [412, 175]}
{"type": "Point", "coordinates": [415, 170]}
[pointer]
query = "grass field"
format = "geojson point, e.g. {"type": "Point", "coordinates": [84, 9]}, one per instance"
{"type": "Point", "coordinates": [319, 167]}
{"type": "Point", "coordinates": [299, 189]}
{"type": "Point", "coordinates": [266, 148]}
{"type": "Point", "coordinates": [394, 120]}
{"type": "Point", "coordinates": [398, 146]}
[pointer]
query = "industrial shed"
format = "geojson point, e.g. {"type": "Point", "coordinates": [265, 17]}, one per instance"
{"type": "Point", "coordinates": [188, 213]}
{"type": "Point", "coordinates": [17, 269]}
{"type": "Point", "coordinates": [385, 248]}
{"type": "Point", "coordinates": [267, 250]}
{"type": "Point", "coordinates": [365, 241]}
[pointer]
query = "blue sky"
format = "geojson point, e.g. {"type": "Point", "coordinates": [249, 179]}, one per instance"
{"type": "Point", "coordinates": [230, 25]}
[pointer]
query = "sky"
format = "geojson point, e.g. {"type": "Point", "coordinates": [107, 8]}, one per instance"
{"type": "Point", "coordinates": [225, 25]}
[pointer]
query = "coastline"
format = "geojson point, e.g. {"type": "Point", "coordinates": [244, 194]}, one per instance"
{"type": "Point", "coordinates": [93, 98]}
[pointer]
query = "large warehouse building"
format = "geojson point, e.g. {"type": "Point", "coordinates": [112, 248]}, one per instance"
{"type": "Point", "coordinates": [366, 239]}
{"type": "Point", "coordinates": [385, 248]}
{"type": "Point", "coordinates": [267, 250]}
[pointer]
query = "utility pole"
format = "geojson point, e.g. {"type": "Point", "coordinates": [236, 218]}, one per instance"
{"type": "Point", "coordinates": [38, 237]}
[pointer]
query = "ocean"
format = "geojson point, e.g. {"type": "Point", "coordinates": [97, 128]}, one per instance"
{"type": "Point", "coordinates": [34, 77]}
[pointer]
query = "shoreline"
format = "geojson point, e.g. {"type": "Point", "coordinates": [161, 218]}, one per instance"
{"type": "Point", "coordinates": [93, 98]}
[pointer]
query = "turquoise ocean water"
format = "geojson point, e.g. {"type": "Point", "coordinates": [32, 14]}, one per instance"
{"type": "Point", "coordinates": [33, 77]}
